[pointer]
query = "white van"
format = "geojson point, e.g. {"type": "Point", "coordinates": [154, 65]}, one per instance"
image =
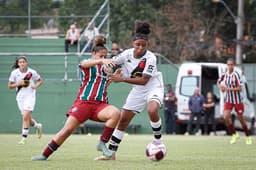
{"type": "Point", "coordinates": [205, 76]}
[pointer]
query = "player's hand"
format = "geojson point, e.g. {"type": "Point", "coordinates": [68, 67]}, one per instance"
{"type": "Point", "coordinates": [118, 71]}
{"type": "Point", "coordinates": [116, 77]}
{"type": "Point", "coordinates": [23, 83]}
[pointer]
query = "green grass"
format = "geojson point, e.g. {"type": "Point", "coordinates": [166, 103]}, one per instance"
{"type": "Point", "coordinates": [78, 152]}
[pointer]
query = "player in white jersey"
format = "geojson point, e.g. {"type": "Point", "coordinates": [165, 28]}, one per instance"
{"type": "Point", "coordinates": [139, 69]}
{"type": "Point", "coordinates": [25, 80]}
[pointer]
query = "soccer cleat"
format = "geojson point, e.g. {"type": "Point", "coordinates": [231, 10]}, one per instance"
{"type": "Point", "coordinates": [22, 141]}
{"type": "Point", "coordinates": [39, 158]}
{"type": "Point", "coordinates": [234, 138]}
{"type": "Point", "coordinates": [39, 130]}
{"type": "Point", "coordinates": [102, 147]}
{"type": "Point", "coordinates": [248, 140]}
{"type": "Point", "coordinates": [105, 158]}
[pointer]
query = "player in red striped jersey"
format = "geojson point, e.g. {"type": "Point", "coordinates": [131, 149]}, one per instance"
{"type": "Point", "coordinates": [231, 83]}
{"type": "Point", "coordinates": [91, 102]}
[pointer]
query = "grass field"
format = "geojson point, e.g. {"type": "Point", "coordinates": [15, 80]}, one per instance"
{"type": "Point", "coordinates": [78, 152]}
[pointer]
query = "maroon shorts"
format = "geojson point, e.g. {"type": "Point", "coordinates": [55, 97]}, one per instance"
{"type": "Point", "coordinates": [83, 110]}
{"type": "Point", "coordinates": [239, 108]}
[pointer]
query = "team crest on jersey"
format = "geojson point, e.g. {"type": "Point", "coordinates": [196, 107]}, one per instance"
{"type": "Point", "coordinates": [74, 109]}
{"type": "Point", "coordinates": [137, 72]}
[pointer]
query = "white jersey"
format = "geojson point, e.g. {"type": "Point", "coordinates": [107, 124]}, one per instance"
{"type": "Point", "coordinates": [140, 95]}
{"type": "Point", "coordinates": [136, 67]}
{"type": "Point", "coordinates": [16, 76]}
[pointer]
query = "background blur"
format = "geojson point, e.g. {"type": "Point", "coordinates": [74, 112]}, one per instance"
{"type": "Point", "coordinates": [182, 31]}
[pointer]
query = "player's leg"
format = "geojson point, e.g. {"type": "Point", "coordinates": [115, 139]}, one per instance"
{"type": "Point", "coordinates": [26, 116]}
{"type": "Point", "coordinates": [155, 120]}
{"type": "Point", "coordinates": [227, 116]}
{"type": "Point", "coordinates": [71, 124]}
{"type": "Point", "coordinates": [118, 134]}
{"type": "Point", "coordinates": [110, 115]}
{"type": "Point", "coordinates": [240, 109]}
{"type": "Point", "coordinates": [38, 126]}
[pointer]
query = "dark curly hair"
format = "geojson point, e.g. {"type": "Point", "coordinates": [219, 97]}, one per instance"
{"type": "Point", "coordinates": [142, 30]}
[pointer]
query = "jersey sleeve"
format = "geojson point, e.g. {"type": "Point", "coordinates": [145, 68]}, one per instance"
{"type": "Point", "coordinates": [36, 76]}
{"type": "Point", "coordinates": [150, 67]}
{"type": "Point", "coordinates": [120, 58]}
{"type": "Point", "coordinates": [12, 77]}
{"type": "Point", "coordinates": [221, 78]}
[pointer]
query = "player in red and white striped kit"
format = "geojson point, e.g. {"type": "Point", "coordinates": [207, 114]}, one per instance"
{"type": "Point", "coordinates": [231, 83]}
{"type": "Point", "coordinates": [91, 102]}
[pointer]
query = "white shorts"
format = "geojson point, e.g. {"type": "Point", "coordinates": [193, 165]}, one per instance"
{"type": "Point", "coordinates": [137, 100]}
{"type": "Point", "coordinates": [26, 102]}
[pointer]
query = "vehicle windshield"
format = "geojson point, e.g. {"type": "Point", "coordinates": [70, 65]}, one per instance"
{"type": "Point", "coordinates": [188, 85]}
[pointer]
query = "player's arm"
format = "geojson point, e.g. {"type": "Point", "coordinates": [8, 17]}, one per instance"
{"type": "Point", "coordinates": [117, 77]}
{"type": "Point", "coordinates": [220, 80]}
{"type": "Point", "coordinates": [137, 80]}
{"type": "Point", "coordinates": [12, 85]}
{"type": "Point", "coordinates": [93, 62]}
{"type": "Point", "coordinates": [39, 82]}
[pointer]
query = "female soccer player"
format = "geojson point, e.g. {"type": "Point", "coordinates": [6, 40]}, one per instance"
{"type": "Point", "coordinates": [231, 83]}
{"type": "Point", "coordinates": [91, 102]}
{"type": "Point", "coordinates": [139, 68]}
{"type": "Point", "coordinates": [26, 81]}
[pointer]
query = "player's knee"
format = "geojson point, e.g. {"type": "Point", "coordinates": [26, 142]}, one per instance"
{"type": "Point", "coordinates": [116, 114]}
{"type": "Point", "coordinates": [152, 111]}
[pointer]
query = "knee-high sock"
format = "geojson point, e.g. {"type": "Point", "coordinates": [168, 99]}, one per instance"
{"type": "Point", "coordinates": [106, 134]}
{"type": "Point", "coordinates": [115, 140]}
{"type": "Point", "coordinates": [246, 131]}
{"type": "Point", "coordinates": [51, 147]}
{"type": "Point", "coordinates": [231, 129]}
{"type": "Point", "coordinates": [156, 127]}
{"type": "Point", "coordinates": [25, 132]}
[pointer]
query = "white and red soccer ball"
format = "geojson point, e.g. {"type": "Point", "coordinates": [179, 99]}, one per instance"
{"type": "Point", "coordinates": [155, 151]}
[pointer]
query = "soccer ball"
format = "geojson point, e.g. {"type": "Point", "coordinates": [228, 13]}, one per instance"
{"type": "Point", "coordinates": [156, 152]}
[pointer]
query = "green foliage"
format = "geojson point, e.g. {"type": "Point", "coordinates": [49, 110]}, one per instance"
{"type": "Point", "coordinates": [175, 24]}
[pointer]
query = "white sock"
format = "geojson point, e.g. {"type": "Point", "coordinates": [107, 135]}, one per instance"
{"type": "Point", "coordinates": [25, 132]}
{"type": "Point", "coordinates": [156, 127]}
{"type": "Point", "coordinates": [118, 134]}
{"type": "Point", "coordinates": [115, 140]}
{"type": "Point", "coordinates": [35, 124]}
